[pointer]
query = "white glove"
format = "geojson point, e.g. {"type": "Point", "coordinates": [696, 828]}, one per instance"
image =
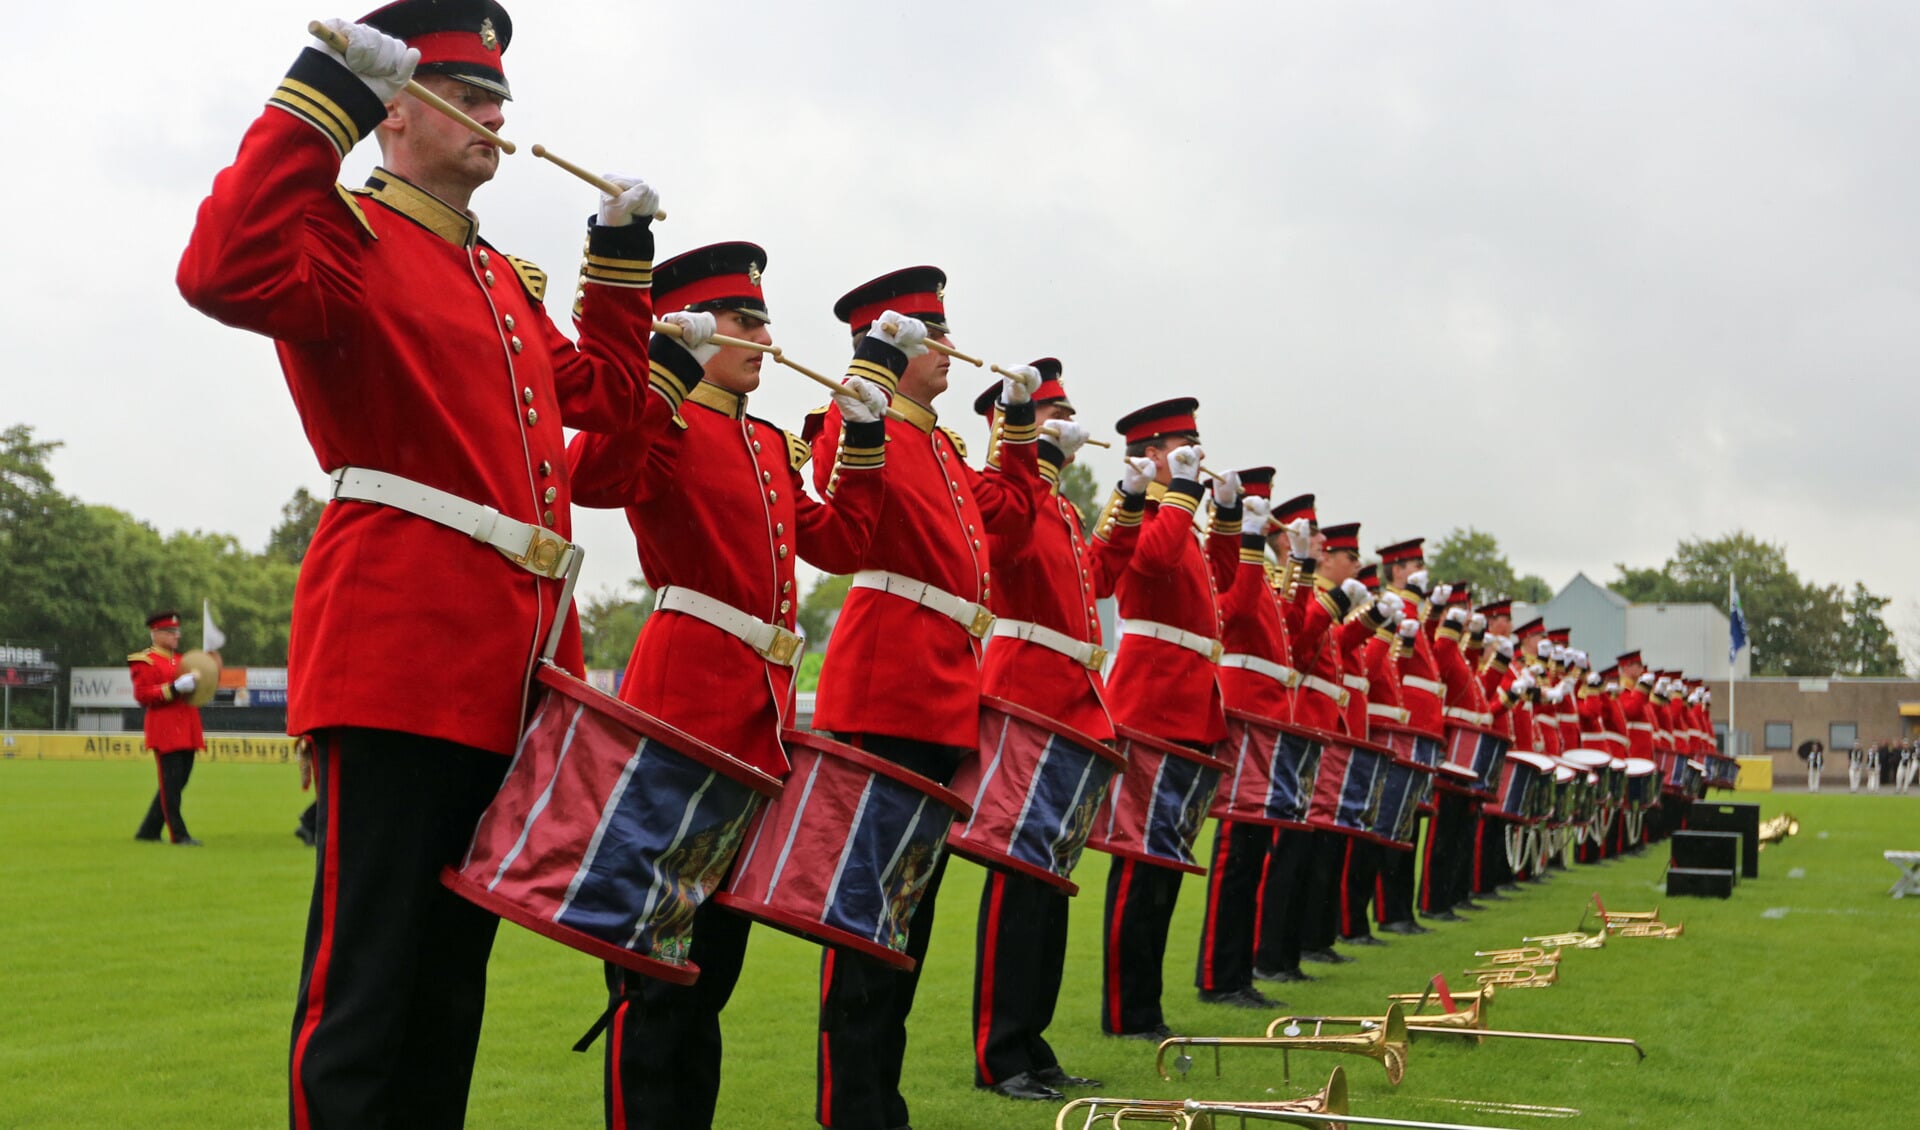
{"type": "Point", "coordinates": [1137, 475]}
{"type": "Point", "coordinates": [1184, 462]}
{"type": "Point", "coordinates": [696, 327]}
{"type": "Point", "coordinates": [1393, 607]}
{"type": "Point", "coordinates": [1536, 670]}
{"type": "Point", "coordinates": [1226, 489]}
{"type": "Point", "coordinates": [375, 58]}
{"type": "Point", "coordinates": [1556, 695]}
{"type": "Point", "coordinates": [1300, 539]}
{"type": "Point", "coordinates": [1523, 683]}
{"type": "Point", "coordinates": [635, 199]}
{"type": "Point", "coordinates": [1409, 629]}
{"type": "Point", "coordinates": [1694, 698]}
{"type": "Point", "coordinates": [1254, 518]}
{"type": "Point", "coordinates": [1613, 688]}
{"type": "Point", "coordinates": [1593, 679]}
{"type": "Point", "coordinates": [185, 683]}
{"type": "Point", "coordinates": [1441, 594]}
{"type": "Point", "coordinates": [903, 333]}
{"type": "Point", "coordinates": [1580, 659]}
{"type": "Point", "coordinates": [861, 401]}
{"type": "Point", "coordinates": [1477, 624]}
{"type": "Point", "coordinates": [1646, 678]}
{"type": "Point", "coordinates": [1660, 688]}
{"type": "Point", "coordinates": [1019, 388]}
{"type": "Point", "coordinates": [1069, 436]}
{"type": "Point", "coordinates": [1418, 580]}
{"type": "Point", "coordinates": [1356, 593]}
{"type": "Point", "coordinates": [1503, 647]}
{"type": "Point", "coordinates": [1456, 616]}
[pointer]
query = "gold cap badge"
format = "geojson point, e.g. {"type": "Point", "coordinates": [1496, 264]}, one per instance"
{"type": "Point", "coordinates": [753, 273]}
{"type": "Point", "coordinates": [488, 38]}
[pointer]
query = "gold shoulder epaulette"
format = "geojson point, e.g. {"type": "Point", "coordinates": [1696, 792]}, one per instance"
{"type": "Point", "coordinates": [959, 445]}
{"type": "Point", "coordinates": [141, 656]}
{"type": "Point", "coordinates": [798, 453]}
{"type": "Point", "coordinates": [531, 276]}
{"type": "Point", "coordinates": [347, 197]}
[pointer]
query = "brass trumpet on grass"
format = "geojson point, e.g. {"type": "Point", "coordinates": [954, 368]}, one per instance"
{"type": "Point", "coordinates": [1520, 955]}
{"type": "Point", "coordinates": [1118, 1114]}
{"type": "Point", "coordinates": [1383, 1039]}
{"type": "Point", "coordinates": [1468, 1023]}
{"type": "Point", "coordinates": [1518, 976]}
{"type": "Point", "coordinates": [1778, 828]}
{"type": "Point", "coordinates": [1647, 930]}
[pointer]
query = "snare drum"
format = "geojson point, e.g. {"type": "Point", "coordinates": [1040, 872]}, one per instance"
{"type": "Point", "coordinates": [1422, 749]}
{"type": "Point", "coordinates": [609, 831]}
{"type": "Point", "coordinates": [1034, 786]}
{"type": "Point", "coordinates": [1273, 768]}
{"type": "Point", "coordinates": [1673, 774]}
{"type": "Point", "coordinates": [1526, 779]}
{"type": "Point", "coordinates": [1349, 790]}
{"type": "Point", "coordinates": [1614, 780]}
{"type": "Point", "coordinates": [1154, 812]}
{"type": "Point", "coordinates": [1565, 778]}
{"type": "Point", "coordinates": [1475, 750]}
{"type": "Point", "coordinates": [845, 853]}
{"type": "Point", "coordinates": [1696, 778]}
{"type": "Point", "coordinates": [1643, 784]}
{"type": "Point", "coordinates": [1404, 786]}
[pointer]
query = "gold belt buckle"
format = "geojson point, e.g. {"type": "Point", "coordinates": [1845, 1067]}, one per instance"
{"type": "Point", "coordinates": [1097, 659]}
{"type": "Point", "coordinates": [1219, 648]}
{"type": "Point", "coordinates": [543, 553]}
{"type": "Point", "coordinates": [982, 622]}
{"type": "Point", "coordinates": [784, 647]}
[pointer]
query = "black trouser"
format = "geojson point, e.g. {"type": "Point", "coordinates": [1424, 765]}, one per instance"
{"type": "Point", "coordinates": [1449, 852]}
{"type": "Point", "coordinates": [394, 978]}
{"type": "Point", "coordinates": [863, 1002]}
{"type": "Point", "coordinates": [1139, 912]}
{"type": "Point", "coordinates": [1325, 862]}
{"type": "Point", "coordinates": [1490, 866]}
{"type": "Point", "coordinates": [662, 1061]}
{"type": "Point", "coordinates": [1233, 896]}
{"type": "Point", "coordinates": [1393, 893]}
{"type": "Point", "coordinates": [1019, 951]}
{"type": "Point", "coordinates": [174, 767]}
{"type": "Point", "coordinates": [1357, 873]}
{"type": "Point", "coordinates": [1282, 912]}
{"type": "Point", "coordinates": [310, 819]}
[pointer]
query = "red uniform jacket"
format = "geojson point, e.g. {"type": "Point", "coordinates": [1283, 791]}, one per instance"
{"type": "Point", "coordinates": [719, 507]}
{"type": "Point", "coordinates": [1046, 578]}
{"type": "Point", "coordinates": [1161, 688]}
{"type": "Point", "coordinates": [412, 346]}
{"type": "Point", "coordinates": [1250, 624]}
{"type": "Point", "coordinates": [1638, 714]}
{"type": "Point", "coordinates": [1352, 638]}
{"type": "Point", "coordinates": [893, 667]}
{"type": "Point", "coordinates": [1463, 686]}
{"type": "Point", "coordinates": [1382, 669]}
{"type": "Point", "coordinates": [1317, 609]}
{"type": "Point", "coordinates": [1615, 722]}
{"type": "Point", "coordinates": [1593, 718]}
{"type": "Point", "coordinates": [1115, 535]}
{"type": "Point", "coordinates": [1421, 690]}
{"type": "Point", "coordinates": [171, 723]}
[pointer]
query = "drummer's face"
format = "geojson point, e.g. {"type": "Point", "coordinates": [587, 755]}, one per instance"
{"type": "Point", "coordinates": [168, 638]}
{"type": "Point", "coordinates": [735, 368]}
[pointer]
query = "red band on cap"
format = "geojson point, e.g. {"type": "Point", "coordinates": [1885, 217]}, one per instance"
{"type": "Point", "coordinates": [709, 289]}
{"type": "Point", "coordinates": [456, 47]}
{"type": "Point", "coordinates": [1050, 390]}
{"type": "Point", "coordinates": [922, 306]}
{"type": "Point", "coordinates": [1165, 425]}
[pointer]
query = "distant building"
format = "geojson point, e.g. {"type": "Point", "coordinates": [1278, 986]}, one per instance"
{"type": "Point", "coordinates": [1774, 717]}
{"type": "Point", "coordinates": [1684, 637]}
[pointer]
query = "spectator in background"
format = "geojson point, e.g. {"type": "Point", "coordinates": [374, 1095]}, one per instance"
{"type": "Point", "coordinates": [1815, 755]}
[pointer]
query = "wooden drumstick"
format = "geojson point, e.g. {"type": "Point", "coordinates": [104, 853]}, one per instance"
{"type": "Point", "coordinates": [892, 328]}
{"type": "Point", "coordinates": [338, 42]}
{"type": "Point", "coordinates": [599, 182]}
{"type": "Point", "coordinates": [673, 331]}
{"type": "Point", "coordinates": [1089, 441]}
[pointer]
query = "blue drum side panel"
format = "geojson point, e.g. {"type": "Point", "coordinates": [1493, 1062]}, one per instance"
{"type": "Point", "coordinates": [1182, 794]}
{"type": "Point", "coordinates": [1068, 785]}
{"type": "Point", "coordinates": [891, 851]}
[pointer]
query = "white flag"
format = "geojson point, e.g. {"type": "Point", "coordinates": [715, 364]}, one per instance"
{"type": "Point", "coordinates": [211, 637]}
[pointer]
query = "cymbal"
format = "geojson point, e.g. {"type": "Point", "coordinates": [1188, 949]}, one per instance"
{"type": "Point", "coordinates": [208, 669]}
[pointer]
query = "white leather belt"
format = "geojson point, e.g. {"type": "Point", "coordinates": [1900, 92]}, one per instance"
{"type": "Point", "coordinates": [536, 549]}
{"type": "Point", "coordinates": [774, 643]}
{"type": "Point", "coordinates": [1334, 691]}
{"type": "Point", "coordinates": [1278, 672]}
{"type": "Point", "coordinates": [1088, 655]}
{"type": "Point", "coordinates": [1437, 689]}
{"type": "Point", "coordinates": [1204, 646]}
{"type": "Point", "coordinates": [1613, 737]}
{"type": "Point", "coordinates": [1645, 727]}
{"type": "Point", "coordinates": [1356, 683]}
{"type": "Point", "coordinates": [1398, 714]}
{"type": "Point", "coordinates": [973, 617]}
{"type": "Point", "coordinates": [1477, 717]}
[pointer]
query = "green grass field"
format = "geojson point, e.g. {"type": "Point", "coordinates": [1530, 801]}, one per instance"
{"type": "Point", "coordinates": [150, 986]}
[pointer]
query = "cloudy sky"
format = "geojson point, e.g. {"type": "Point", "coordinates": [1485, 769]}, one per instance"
{"type": "Point", "coordinates": [1594, 277]}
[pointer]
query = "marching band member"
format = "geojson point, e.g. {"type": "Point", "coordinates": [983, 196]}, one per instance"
{"type": "Point", "coordinates": [1378, 670]}
{"type": "Point", "coordinates": [1446, 886]}
{"type": "Point", "coordinates": [1165, 678]}
{"type": "Point", "coordinates": [170, 725]}
{"type": "Point", "coordinates": [1045, 654]}
{"type": "Point", "coordinates": [901, 678]}
{"type": "Point", "coordinates": [1508, 698]}
{"type": "Point", "coordinates": [719, 516]}
{"type": "Point", "coordinates": [1256, 676]}
{"type": "Point", "coordinates": [1422, 696]}
{"type": "Point", "coordinates": [433, 387]}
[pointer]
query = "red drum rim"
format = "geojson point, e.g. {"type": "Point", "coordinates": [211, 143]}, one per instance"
{"type": "Point", "coordinates": [1400, 728]}
{"type": "Point", "coordinates": [1329, 737]}
{"type": "Point", "coordinates": [1133, 855]}
{"type": "Point", "coordinates": [812, 930]}
{"type": "Point", "coordinates": [1640, 767]}
{"type": "Point", "coordinates": [1489, 731]}
{"type": "Point", "coordinates": [1171, 749]}
{"type": "Point", "coordinates": [687, 974]}
{"type": "Point", "coordinates": [1027, 714]}
{"type": "Point", "coordinates": [1539, 761]}
{"type": "Point", "coordinates": [1588, 759]}
{"type": "Point", "coordinates": [682, 742]}
{"type": "Point", "coordinates": [880, 765]}
{"type": "Point", "coordinates": [1571, 774]}
{"type": "Point", "coordinates": [1000, 861]}
{"type": "Point", "coordinates": [1618, 764]}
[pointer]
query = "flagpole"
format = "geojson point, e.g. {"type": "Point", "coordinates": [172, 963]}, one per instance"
{"type": "Point", "coordinates": [1733, 675]}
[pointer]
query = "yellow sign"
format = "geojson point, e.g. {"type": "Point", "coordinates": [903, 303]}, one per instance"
{"type": "Point", "coordinates": [1756, 775]}
{"type": "Point", "coordinates": [41, 745]}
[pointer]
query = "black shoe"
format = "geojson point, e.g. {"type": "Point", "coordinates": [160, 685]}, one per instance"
{"type": "Point", "coordinates": [153, 839]}
{"type": "Point", "coordinates": [1155, 1034]}
{"type": "Point", "coordinates": [1056, 1077]}
{"type": "Point", "coordinates": [1490, 895]}
{"type": "Point", "coordinates": [1406, 928]}
{"type": "Point", "coordinates": [1469, 906]}
{"type": "Point", "coordinates": [188, 842]}
{"type": "Point", "coordinates": [1362, 940]}
{"type": "Point", "coordinates": [1325, 957]}
{"type": "Point", "coordinates": [1511, 888]}
{"type": "Point", "coordinates": [1239, 998]}
{"type": "Point", "coordinates": [1025, 1086]}
{"type": "Point", "coordinates": [1445, 916]}
{"type": "Point", "coordinates": [303, 836]}
{"type": "Point", "coordinates": [1283, 976]}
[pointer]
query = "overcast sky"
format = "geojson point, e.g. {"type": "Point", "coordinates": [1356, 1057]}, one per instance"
{"type": "Point", "coordinates": [1593, 277]}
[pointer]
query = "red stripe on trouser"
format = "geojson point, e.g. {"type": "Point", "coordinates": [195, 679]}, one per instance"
{"type": "Point", "coordinates": [323, 954]}
{"type": "Point", "coordinates": [983, 1026]}
{"type": "Point", "coordinates": [1260, 895]}
{"type": "Point", "coordinates": [1380, 897]}
{"type": "Point", "coordinates": [618, 1099]}
{"type": "Point", "coordinates": [1113, 947]}
{"type": "Point", "coordinates": [1479, 840]}
{"type": "Point", "coordinates": [1426, 863]}
{"type": "Point", "coordinates": [1346, 902]}
{"type": "Point", "coordinates": [1210, 930]}
{"type": "Point", "coordinates": [824, 1115]}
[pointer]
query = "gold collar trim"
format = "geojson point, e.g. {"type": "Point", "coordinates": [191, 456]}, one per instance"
{"type": "Point", "coordinates": [1050, 472]}
{"type": "Point", "coordinates": [916, 413]}
{"type": "Point", "coordinates": [423, 207]}
{"type": "Point", "coordinates": [724, 401]}
{"type": "Point", "coordinates": [1156, 491]}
